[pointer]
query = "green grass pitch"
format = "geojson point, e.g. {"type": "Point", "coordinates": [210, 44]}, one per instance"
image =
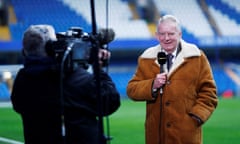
{"type": "Point", "coordinates": [127, 124]}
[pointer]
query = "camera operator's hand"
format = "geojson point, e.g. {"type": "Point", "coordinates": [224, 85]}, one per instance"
{"type": "Point", "coordinates": [103, 55]}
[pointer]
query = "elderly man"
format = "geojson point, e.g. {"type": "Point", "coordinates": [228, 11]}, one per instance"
{"type": "Point", "coordinates": [182, 97]}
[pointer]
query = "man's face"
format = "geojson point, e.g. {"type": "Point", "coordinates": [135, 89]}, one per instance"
{"type": "Point", "coordinates": [168, 35]}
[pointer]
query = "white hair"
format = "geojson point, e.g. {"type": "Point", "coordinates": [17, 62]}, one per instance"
{"type": "Point", "coordinates": [169, 18]}
{"type": "Point", "coordinates": [35, 39]}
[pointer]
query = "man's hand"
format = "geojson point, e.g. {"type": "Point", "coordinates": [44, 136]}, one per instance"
{"type": "Point", "coordinates": [103, 55]}
{"type": "Point", "coordinates": [160, 80]}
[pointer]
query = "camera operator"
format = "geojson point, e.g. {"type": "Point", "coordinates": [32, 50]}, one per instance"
{"type": "Point", "coordinates": [36, 95]}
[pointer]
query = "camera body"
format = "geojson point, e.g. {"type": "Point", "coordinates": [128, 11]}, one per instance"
{"type": "Point", "coordinates": [76, 46]}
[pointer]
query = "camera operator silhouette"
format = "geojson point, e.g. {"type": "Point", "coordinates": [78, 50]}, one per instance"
{"type": "Point", "coordinates": [36, 94]}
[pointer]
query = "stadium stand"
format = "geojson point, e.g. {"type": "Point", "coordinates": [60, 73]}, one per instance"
{"type": "Point", "coordinates": [234, 4]}
{"type": "Point", "coordinates": [5, 34]}
{"type": "Point", "coordinates": [227, 8]}
{"type": "Point", "coordinates": [44, 12]}
{"type": "Point", "coordinates": [223, 80]}
{"type": "Point", "coordinates": [212, 25]}
{"type": "Point", "coordinates": [189, 12]}
{"type": "Point", "coordinates": [226, 15]}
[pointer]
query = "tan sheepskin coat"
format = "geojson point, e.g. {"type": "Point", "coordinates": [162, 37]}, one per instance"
{"type": "Point", "coordinates": [190, 89]}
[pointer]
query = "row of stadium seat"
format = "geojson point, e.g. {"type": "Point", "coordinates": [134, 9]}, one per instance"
{"type": "Point", "coordinates": [63, 14]}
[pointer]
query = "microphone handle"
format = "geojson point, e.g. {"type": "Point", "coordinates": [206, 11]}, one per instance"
{"type": "Point", "coordinates": [161, 71]}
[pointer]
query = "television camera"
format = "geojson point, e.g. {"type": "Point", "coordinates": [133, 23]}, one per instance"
{"type": "Point", "coordinates": [74, 46]}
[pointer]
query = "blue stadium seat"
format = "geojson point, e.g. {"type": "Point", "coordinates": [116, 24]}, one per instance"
{"type": "Point", "coordinates": [51, 12]}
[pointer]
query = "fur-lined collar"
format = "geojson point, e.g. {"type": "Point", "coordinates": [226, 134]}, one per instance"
{"type": "Point", "coordinates": [188, 50]}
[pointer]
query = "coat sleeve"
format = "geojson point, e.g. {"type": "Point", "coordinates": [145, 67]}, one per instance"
{"type": "Point", "coordinates": [109, 94]}
{"type": "Point", "coordinates": [207, 99]}
{"type": "Point", "coordinates": [139, 88]}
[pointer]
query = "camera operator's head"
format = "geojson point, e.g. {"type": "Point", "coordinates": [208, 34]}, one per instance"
{"type": "Point", "coordinates": [35, 39]}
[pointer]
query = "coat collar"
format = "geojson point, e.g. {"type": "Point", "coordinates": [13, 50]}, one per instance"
{"type": "Point", "coordinates": [187, 50]}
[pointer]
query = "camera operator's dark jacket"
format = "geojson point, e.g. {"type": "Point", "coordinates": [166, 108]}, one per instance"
{"type": "Point", "coordinates": [80, 91]}
{"type": "Point", "coordinates": [35, 96]}
{"type": "Point", "coordinates": [82, 105]}
{"type": "Point", "coordinates": [36, 91]}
